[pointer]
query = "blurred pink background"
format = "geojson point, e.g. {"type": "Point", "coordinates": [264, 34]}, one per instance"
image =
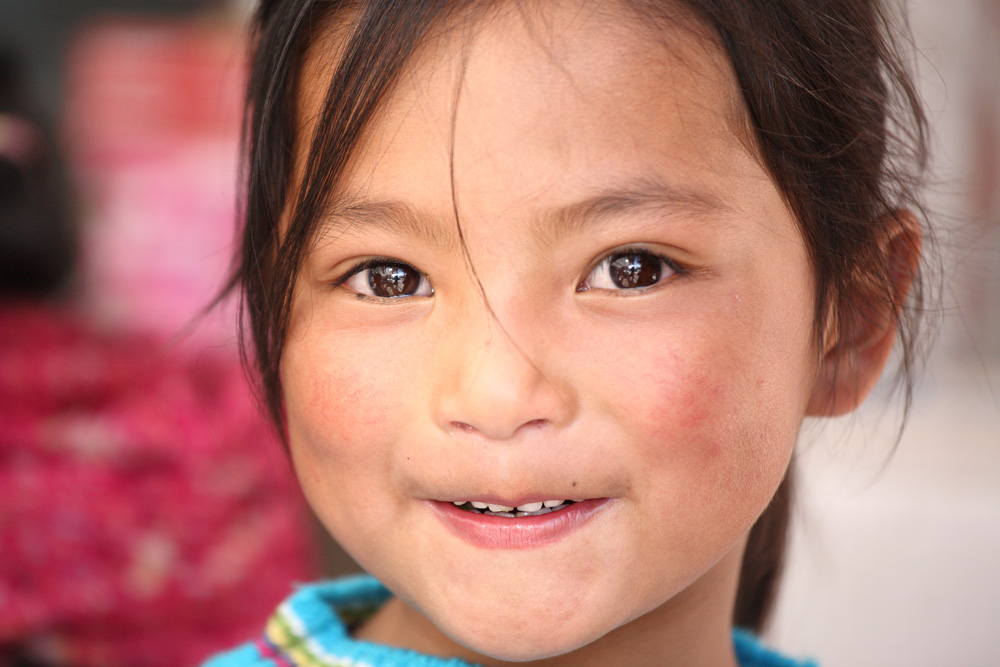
{"type": "Point", "coordinates": [148, 515]}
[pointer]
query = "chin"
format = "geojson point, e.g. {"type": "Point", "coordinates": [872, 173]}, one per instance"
{"type": "Point", "coordinates": [522, 633]}
{"type": "Point", "coordinates": [521, 644]}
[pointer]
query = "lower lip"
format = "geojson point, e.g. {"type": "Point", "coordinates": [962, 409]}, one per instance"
{"type": "Point", "coordinates": [526, 532]}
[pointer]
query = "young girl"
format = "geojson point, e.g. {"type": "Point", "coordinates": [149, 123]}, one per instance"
{"type": "Point", "coordinates": [540, 294]}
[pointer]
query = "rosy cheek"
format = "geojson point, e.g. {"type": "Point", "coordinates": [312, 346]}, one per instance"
{"type": "Point", "coordinates": [701, 404]}
{"type": "Point", "coordinates": [678, 404]}
{"type": "Point", "coordinates": [337, 407]}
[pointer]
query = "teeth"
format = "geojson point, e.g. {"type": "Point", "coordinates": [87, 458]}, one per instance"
{"type": "Point", "coordinates": [529, 507]}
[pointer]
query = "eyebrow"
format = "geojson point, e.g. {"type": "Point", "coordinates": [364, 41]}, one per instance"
{"type": "Point", "coordinates": [636, 197]}
{"type": "Point", "coordinates": [394, 217]}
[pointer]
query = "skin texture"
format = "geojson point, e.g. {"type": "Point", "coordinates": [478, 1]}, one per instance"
{"type": "Point", "coordinates": [571, 133]}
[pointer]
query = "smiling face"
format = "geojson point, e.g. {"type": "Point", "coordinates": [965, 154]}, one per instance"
{"type": "Point", "coordinates": [637, 333]}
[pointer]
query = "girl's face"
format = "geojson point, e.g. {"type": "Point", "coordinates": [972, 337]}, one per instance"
{"type": "Point", "coordinates": [626, 319]}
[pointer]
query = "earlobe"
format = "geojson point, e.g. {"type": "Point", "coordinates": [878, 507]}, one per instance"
{"type": "Point", "coordinates": [862, 325]}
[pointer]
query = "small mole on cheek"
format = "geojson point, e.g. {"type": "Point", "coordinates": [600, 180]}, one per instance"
{"type": "Point", "coordinates": [573, 484]}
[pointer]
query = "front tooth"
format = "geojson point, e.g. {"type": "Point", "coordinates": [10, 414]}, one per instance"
{"type": "Point", "coordinates": [499, 508]}
{"type": "Point", "coordinates": [479, 505]}
{"type": "Point", "coordinates": [530, 507]}
{"type": "Point", "coordinates": [553, 503]}
{"type": "Point", "coordinates": [459, 503]}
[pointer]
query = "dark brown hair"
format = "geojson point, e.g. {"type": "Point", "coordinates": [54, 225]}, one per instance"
{"type": "Point", "coordinates": [832, 115]}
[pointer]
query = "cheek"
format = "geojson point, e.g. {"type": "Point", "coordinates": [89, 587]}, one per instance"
{"type": "Point", "coordinates": [678, 400]}
{"type": "Point", "coordinates": [336, 410]}
{"type": "Point", "coordinates": [707, 421]}
{"type": "Point", "coordinates": [675, 399]}
{"type": "Point", "coordinates": [333, 394]}
{"type": "Point", "coordinates": [686, 415]}
{"type": "Point", "coordinates": [343, 400]}
{"type": "Point", "coordinates": [339, 412]}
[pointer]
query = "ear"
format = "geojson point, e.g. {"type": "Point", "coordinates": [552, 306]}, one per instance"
{"type": "Point", "coordinates": [857, 343]}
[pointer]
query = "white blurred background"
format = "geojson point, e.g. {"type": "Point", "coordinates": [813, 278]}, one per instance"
{"type": "Point", "coordinates": [896, 554]}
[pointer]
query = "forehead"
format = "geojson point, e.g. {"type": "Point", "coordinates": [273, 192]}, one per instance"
{"type": "Point", "coordinates": [542, 104]}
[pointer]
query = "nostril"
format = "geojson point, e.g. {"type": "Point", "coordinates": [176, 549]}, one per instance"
{"type": "Point", "coordinates": [469, 428]}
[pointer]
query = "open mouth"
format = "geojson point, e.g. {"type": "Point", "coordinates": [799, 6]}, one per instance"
{"type": "Point", "coordinates": [534, 524]}
{"type": "Point", "coordinates": [528, 509]}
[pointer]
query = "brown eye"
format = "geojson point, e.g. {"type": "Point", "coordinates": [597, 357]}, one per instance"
{"type": "Point", "coordinates": [629, 270]}
{"type": "Point", "coordinates": [635, 270]}
{"type": "Point", "coordinates": [383, 279]}
{"type": "Point", "coordinates": [393, 280]}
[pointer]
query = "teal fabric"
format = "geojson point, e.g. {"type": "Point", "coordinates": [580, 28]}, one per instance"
{"type": "Point", "coordinates": [750, 652]}
{"type": "Point", "coordinates": [316, 614]}
{"type": "Point", "coordinates": [246, 655]}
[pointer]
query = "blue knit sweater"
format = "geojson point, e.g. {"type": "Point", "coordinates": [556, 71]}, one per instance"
{"type": "Point", "coordinates": [310, 629]}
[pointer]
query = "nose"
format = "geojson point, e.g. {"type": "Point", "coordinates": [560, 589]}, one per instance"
{"type": "Point", "coordinates": [498, 390]}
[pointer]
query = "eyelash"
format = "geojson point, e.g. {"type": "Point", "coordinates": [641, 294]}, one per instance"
{"type": "Point", "coordinates": [675, 270]}
{"type": "Point", "coordinates": [375, 262]}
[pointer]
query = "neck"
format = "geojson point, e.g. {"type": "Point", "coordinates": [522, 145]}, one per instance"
{"type": "Point", "coordinates": [692, 629]}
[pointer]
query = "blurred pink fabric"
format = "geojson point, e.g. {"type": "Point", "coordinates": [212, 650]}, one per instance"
{"type": "Point", "coordinates": [152, 131]}
{"type": "Point", "coordinates": [147, 515]}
